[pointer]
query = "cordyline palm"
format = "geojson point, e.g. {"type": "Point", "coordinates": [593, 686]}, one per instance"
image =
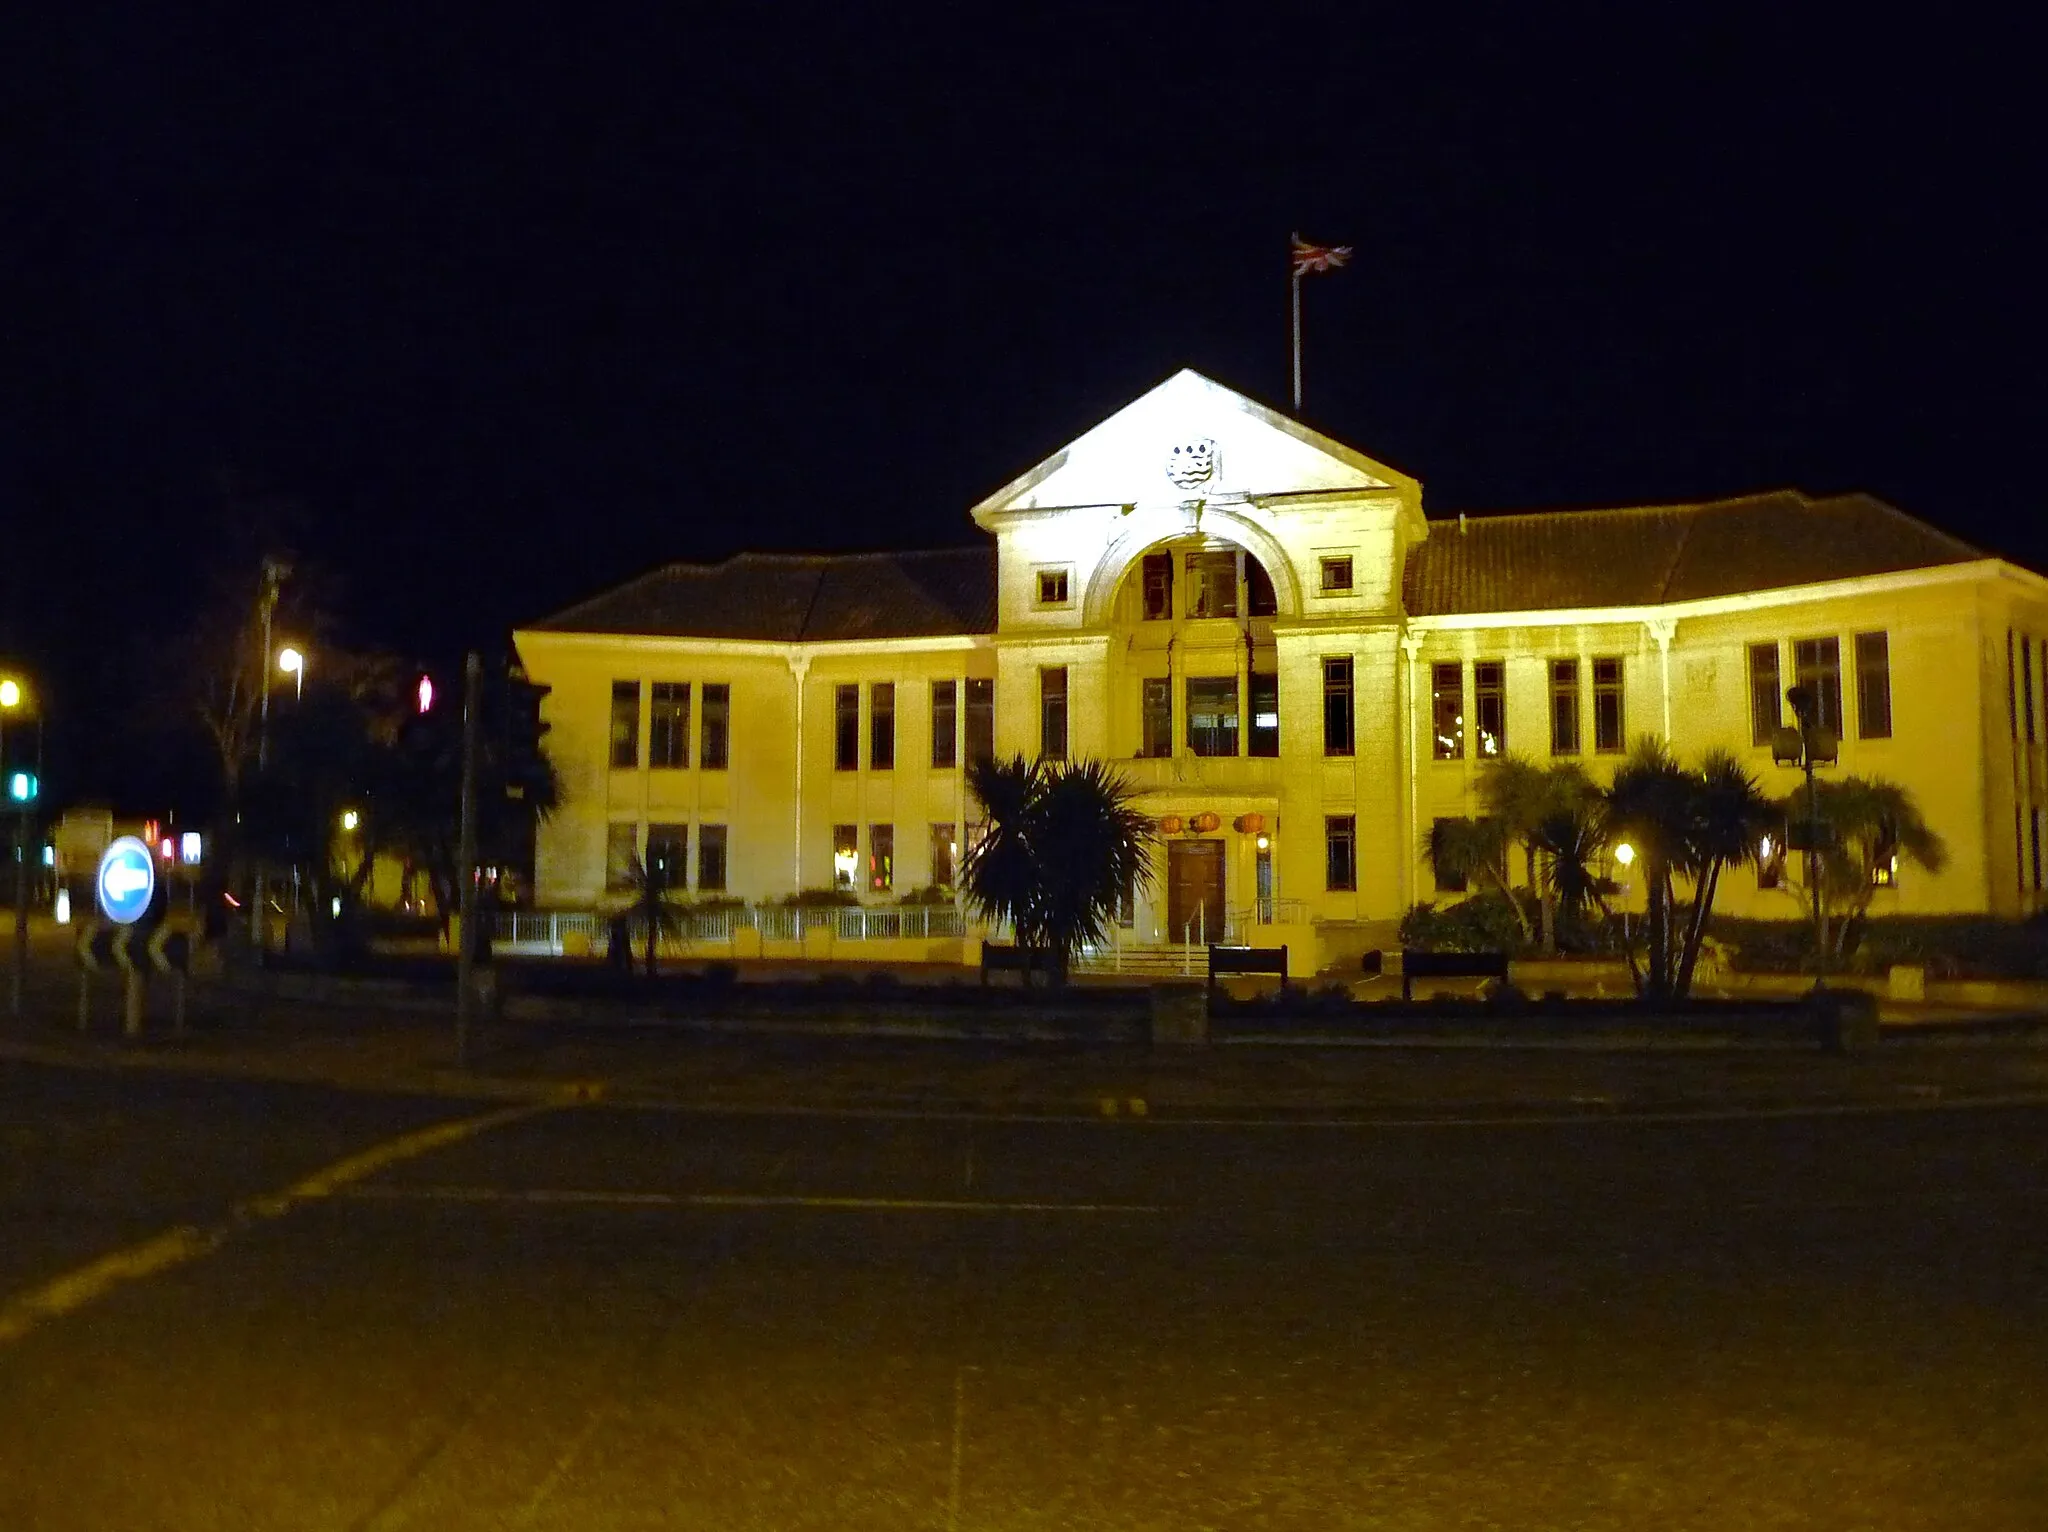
{"type": "Point", "coordinates": [1651, 804]}
{"type": "Point", "coordinates": [1730, 818]}
{"type": "Point", "coordinates": [1472, 851]}
{"type": "Point", "coordinates": [1540, 807]}
{"type": "Point", "coordinates": [1061, 844]}
{"type": "Point", "coordinates": [1863, 816]}
{"type": "Point", "coordinates": [651, 909]}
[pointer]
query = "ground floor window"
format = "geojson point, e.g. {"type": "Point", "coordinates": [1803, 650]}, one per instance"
{"type": "Point", "coordinates": [846, 856]}
{"type": "Point", "coordinates": [945, 849]}
{"type": "Point", "coordinates": [668, 856]}
{"type": "Point", "coordinates": [621, 845]}
{"type": "Point", "coordinates": [881, 857]}
{"type": "Point", "coordinates": [711, 859]}
{"type": "Point", "coordinates": [1340, 837]}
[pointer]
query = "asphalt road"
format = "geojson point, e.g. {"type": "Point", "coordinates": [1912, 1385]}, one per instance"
{"type": "Point", "coordinates": [591, 1318]}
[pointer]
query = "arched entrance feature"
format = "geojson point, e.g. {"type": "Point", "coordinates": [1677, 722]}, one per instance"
{"type": "Point", "coordinates": [1143, 530]}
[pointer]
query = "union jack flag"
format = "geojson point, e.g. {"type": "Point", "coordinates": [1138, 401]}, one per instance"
{"type": "Point", "coordinates": [1311, 258]}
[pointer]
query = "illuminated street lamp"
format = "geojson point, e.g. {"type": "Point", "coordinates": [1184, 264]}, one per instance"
{"type": "Point", "coordinates": [293, 663]}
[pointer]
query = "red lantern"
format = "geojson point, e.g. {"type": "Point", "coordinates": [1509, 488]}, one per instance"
{"type": "Point", "coordinates": [1251, 824]}
{"type": "Point", "coordinates": [1169, 824]}
{"type": "Point", "coordinates": [1204, 824]}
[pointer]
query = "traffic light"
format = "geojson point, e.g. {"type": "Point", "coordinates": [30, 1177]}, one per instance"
{"type": "Point", "coordinates": [22, 787]}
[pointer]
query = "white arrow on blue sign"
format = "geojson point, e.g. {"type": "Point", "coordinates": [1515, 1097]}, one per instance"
{"type": "Point", "coordinates": [127, 880]}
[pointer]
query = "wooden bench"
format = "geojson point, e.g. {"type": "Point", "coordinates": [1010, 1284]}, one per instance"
{"type": "Point", "coordinates": [1223, 960]}
{"type": "Point", "coordinates": [1007, 957]}
{"type": "Point", "coordinates": [1439, 965]}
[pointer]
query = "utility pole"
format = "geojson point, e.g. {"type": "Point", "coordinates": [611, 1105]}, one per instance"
{"type": "Point", "coordinates": [465, 858]}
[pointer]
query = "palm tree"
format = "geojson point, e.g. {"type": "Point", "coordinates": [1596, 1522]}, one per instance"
{"type": "Point", "coordinates": [1730, 819]}
{"type": "Point", "coordinates": [1652, 804]}
{"type": "Point", "coordinates": [1061, 846]}
{"type": "Point", "coordinates": [1465, 851]}
{"type": "Point", "coordinates": [1867, 821]}
{"type": "Point", "coordinates": [650, 906]}
{"type": "Point", "coordinates": [1541, 808]}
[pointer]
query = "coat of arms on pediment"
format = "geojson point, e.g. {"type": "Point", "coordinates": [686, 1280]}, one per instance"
{"type": "Point", "coordinates": [1190, 465]}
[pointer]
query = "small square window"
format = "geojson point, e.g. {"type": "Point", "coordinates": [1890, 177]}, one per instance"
{"type": "Point", "coordinates": [1337, 575]}
{"type": "Point", "coordinates": [1052, 587]}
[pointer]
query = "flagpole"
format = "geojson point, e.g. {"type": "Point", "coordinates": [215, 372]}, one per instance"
{"type": "Point", "coordinates": [1294, 282]}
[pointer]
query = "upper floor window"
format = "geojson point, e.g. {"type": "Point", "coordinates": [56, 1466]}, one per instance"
{"type": "Point", "coordinates": [980, 743]}
{"type": "Point", "coordinates": [1052, 712]}
{"type": "Point", "coordinates": [1264, 738]}
{"type": "Point", "coordinates": [625, 733]}
{"type": "Point", "coordinates": [1490, 707]}
{"type": "Point", "coordinates": [1052, 587]}
{"type": "Point", "coordinates": [1564, 707]}
{"type": "Point", "coordinates": [1158, 579]}
{"type": "Point", "coordinates": [882, 726]}
{"type": "Point", "coordinates": [1259, 598]}
{"type": "Point", "coordinates": [945, 724]}
{"type": "Point", "coordinates": [717, 745]}
{"type": "Point", "coordinates": [1766, 715]}
{"type": "Point", "coordinates": [1818, 666]}
{"type": "Point", "coordinates": [846, 726]}
{"type": "Point", "coordinates": [1338, 716]}
{"type": "Point", "coordinates": [1212, 715]}
{"type": "Point", "coordinates": [1447, 710]}
{"type": "Point", "coordinates": [1212, 585]}
{"type": "Point", "coordinates": [1336, 574]}
{"type": "Point", "coordinates": [1873, 686]}
{"type": "Point", "coordinates": [1156, 738]}
{"type": "Point", "coordinates": [1609, 719]}
{"type": "Point", "coordinates": [668, 724]}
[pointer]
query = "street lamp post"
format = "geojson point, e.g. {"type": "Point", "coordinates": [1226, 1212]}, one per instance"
{"type": "Point", "coordinates": [11, 698]}
{"type": "Point", "coordinates": [1810, 745]}
{"type": "Point", "coordinates": [274, 574]}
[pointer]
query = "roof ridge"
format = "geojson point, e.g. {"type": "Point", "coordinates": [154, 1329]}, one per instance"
{"type": "Point", "coordinates": [1667, 508]}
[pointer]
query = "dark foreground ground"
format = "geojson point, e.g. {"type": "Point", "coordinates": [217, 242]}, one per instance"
{"type": "Point", "coordinates": [597, 1317]}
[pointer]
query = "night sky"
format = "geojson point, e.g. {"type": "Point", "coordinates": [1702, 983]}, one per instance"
{"type": "Point", "coordinates": [512, 306]}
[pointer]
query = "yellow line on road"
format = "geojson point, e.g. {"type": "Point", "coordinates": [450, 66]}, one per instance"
{"type": "Point", "coordinates": [187, 1242]}
{"type": "Point", "coordinates": [570, 1197]}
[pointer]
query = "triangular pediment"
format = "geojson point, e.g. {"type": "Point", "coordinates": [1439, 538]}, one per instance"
{"type": "Point", "coordinates": [1193, 438]}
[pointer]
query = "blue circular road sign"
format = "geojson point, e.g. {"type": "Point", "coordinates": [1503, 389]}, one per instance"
{"type": "Point", "coordinates": [127, 880]}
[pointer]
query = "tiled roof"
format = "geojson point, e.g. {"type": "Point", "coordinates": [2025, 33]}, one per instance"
{"type": "Point", "coordinates": [1566, 559]}
{"type": "Point", "coordinates": [787, 598]}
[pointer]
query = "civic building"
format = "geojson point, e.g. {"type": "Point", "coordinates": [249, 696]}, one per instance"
{"type": "Point", "coordinates": [1297, 669]}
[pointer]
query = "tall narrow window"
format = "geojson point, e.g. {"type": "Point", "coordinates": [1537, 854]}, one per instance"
{"type": "Point", "coordinates": [1157, 736]}
{"type": "Point", "coordinates": [882, 726]}
{"type": "Point", "coordinates": [881, 858]}
{"type": "Point", "coordinates": [2027, 683]}
{"type": "Point", "coordinates": [1766, 717]}
{"type": "Point", "coordinates": [625, 725]}
{"type": "Point", "coordinates": [1158, 586]}
{"type": "Point", "coordinates": [1610, 720]}
{"type": "Point", "coordinates": [717, 745]}
{"type": "Point", "coordinates": [1212, 585]}
{"type": "Point", "coordinates": [1817, 663]}
{"type": "Point", "coordinates": [945, 724]}
{"type": "Point", "coordinates": [621, 845]}
{"type": "Point", "coordinates": [668, 725]}
{"type": "Point", "coordinates": [1873, 686]}
{"type": "Point", "coordinates": [1212, 715]}
{"type": "Point", "coordinates": [711, 859]}
{"type": "Point", "coordinates": [1339, 717]}
{"type": "Point", "coordinates": [1447, 710]}
{"type": "Point", "coordinates": [1264, 738]}
{"type": "Point", "coordinates": [846, 726]}
{"type": "Point", "coordinates": [1259, 598]}
{"type": "Point", "coordinates": [2012, 699]}
{"type": "Point", "coordinates": [1052, 712]}
{"type": "Point", "coordinates": [846, 856]}
{"type": "Point", "coordinates": [1450, 876]}
{"type": "Point", "coordinates": [1490, 708]}
{"type": "Point", "coordinates": [980, 743]}
{"type": "Point", "coordinates": [1564, 707]}
{"type": "Point", "coordinates": [1340, 852]}
{"type": "Point", "coordinates": [668, 856]}
{"type": "Point", "coordinates": [945, 848]}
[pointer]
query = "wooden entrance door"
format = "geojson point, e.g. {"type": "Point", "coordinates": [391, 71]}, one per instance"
{"type": "Point", "coordinates": [1194, 890]}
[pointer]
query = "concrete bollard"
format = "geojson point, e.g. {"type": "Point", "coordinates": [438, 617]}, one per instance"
{"type": "Point", "coordinates": [1180, 1015]}
{"type": "Point", "coordinates": [1847, 1020]}
{"type": "Point", "coordinates": [1906, 981]}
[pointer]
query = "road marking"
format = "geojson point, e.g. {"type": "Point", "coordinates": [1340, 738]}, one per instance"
{"type": "Point", "coordinates": [188, 1242]}
{"type": "Point", "coordinates": [572, 1197]}
{"type": "Point", "coordinates": [959, 1446]}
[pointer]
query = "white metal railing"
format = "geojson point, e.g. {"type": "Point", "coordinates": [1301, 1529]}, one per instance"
{"type": "Point", "coordinates": [548, 931]}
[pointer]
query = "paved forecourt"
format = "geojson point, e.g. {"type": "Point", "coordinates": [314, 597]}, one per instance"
{"type": "Point", "coordinates": [584, 1316]}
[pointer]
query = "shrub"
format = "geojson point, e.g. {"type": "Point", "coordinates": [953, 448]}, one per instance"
{"type": "Point", "coordinates": [1947, 946]}
{"type": "Point", "coordinates": [819, 898]}
{"type": "Point", "coordinates": [931, 893]}
{"type": "Point", "coordinates": [1482, 923]}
